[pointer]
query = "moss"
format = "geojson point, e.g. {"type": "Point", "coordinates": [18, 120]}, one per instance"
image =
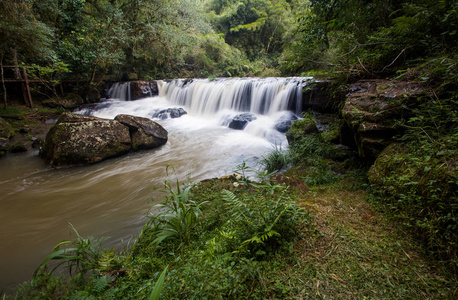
{"type": "Point", "coordinates": [6, 130]}
{"type": "Point", "coordinates": [302, 127]}
{"type": "Point", "coordinates": [420, 191]}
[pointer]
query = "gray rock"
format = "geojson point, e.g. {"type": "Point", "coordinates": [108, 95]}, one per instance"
{"type": "Point", "coordinates": [6, 130]}
{"type": "Point", "coordinates": [284, 123]}
{"type": "Point", "coordinates": [19, 147]}
{"type": "Point", "coordinates": [143, 89]}
{"type": "Point", "coordinates": [4, 146]}
{"type": "Point", "coordinates": [76, 140]}
{"type": "Point", "coordinates": [145, 133]}
{"type": "Point", "coordinates": [170, 113]}
{"type": "Point", "coordinates": [371, 110]}
{"type": "Point", "coordinates": [239, 122]}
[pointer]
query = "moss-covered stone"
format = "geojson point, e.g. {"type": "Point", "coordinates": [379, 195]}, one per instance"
{"type": "Point", "coordinates": [88, 141]}
{"type": "Point", "coordinates": [420, 188]}
{"type": "Point", "coordinates": [6, 130]}
{"type": "Point", "coordinates": [144, 133]}
{"type": "Point", "coordinates": [77, 139]}
{"type": "Point", "coordinates": [4, 146]}
{"type": "Point", "coordinates": [372, 109]}
{"type": "Point", "coordinates": [302, 127]}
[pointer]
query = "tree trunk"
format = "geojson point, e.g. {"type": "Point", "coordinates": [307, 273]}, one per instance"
{"type": "Point", "coordinates": [3, 83]}
{"type": "Point", "coordinates": [17, 74]}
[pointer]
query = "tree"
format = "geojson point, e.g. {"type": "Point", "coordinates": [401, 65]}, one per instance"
{"type": "Point", "coordinates": [23, 38]}
{"type": "Point", "coordinates": [254, 26]}
{"type": "Point", "coordinates": [373, 37]}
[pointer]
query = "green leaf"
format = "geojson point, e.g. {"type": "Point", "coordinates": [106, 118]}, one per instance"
{"type": "Point", "coordinates": [156, 293]}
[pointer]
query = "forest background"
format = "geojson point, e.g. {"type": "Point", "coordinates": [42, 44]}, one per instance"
{"type": "Point", "coordinates": [94, 42]}
{"type": "Point", "coordinates": [157, 39]}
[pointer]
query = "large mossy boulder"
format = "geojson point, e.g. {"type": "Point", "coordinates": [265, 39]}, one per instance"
{"type": "Point", "coordinates": [372, 109]}
{"type": "Point", "coordinates": [420, 186]}
{"type": "Point", "coordinates": [77, 139]}
{"type": "Point", "coordinates": [144, 133]}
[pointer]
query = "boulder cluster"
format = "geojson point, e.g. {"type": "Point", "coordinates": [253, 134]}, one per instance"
{"type": "Point", "coordinates": [77, 139]}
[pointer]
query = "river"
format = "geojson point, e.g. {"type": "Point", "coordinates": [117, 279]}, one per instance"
{"type": "Point", "coordinates": [111, 199]}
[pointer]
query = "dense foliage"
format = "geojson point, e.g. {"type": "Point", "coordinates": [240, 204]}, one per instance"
{"type": "Point", "coordinates": [147, 39]}
{"type": "Point", "coordinates": [372, 38]}
{"type": "Point", "coordinates": [143, 39]}
{"type": "Point", "coordinates": [220, 241]}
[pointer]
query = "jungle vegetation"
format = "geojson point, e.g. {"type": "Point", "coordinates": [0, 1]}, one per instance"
{"type": "Point", "coordinates": [352, 233]}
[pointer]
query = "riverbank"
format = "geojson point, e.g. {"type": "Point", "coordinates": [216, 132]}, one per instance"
{"type": "Point", "coordinates": [25, 128]}
{"type": "Point", "coordinates": [327, 241]}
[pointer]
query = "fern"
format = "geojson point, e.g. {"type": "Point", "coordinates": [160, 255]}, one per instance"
{"type": "Point", "coordinates": [257, 218]}
{"type": "Point", "coordinates": [237, 208]}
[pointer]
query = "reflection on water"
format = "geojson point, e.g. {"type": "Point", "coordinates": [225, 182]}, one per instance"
{"type": "Point", "coordinates": [111, 198]}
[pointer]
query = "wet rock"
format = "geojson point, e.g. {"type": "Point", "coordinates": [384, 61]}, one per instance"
{"type": "Point", "coordinates": [19, 147]}
{"type": "Point", "coordinates": [4, 146]}
{"type": "Point", "coordinates": [371, 110]}
{"type": "Point", "coordinates": [88, 109]}
{"type": "Point", "coordinates": [144, 133]}
{"type": "Point", "coordinates": [239, 122]}
{"type": "Point", "coordinates": [284, 123]}
{"type": "Point", "coordinates": [143, 89]}
{"type": "Point", "coordinates": [37, 143]}
{"type": "Point", "coordinates": [6, 130]}
{"type": "Point", "coordinates": [76, 140]}
{"type": "Point", "coordinates": [317, 97]}
{"type": "Point", "coordinates": [170, 113]}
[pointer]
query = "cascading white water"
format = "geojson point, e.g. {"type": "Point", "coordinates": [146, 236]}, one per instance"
{"type": "Point", "coordinates": [111, 198]}
{"type": "Point", "coordinates": [259, 106]}
{"type": "Point", "coordinates": [120, 91]}
{"type": "Point", "coordinates": [264, 96]}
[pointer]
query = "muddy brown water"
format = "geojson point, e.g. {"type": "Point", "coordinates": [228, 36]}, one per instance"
{"type": "Point", "coordinates": [108, 199]}
{"type": "Point", "coordinates": [111, 199]}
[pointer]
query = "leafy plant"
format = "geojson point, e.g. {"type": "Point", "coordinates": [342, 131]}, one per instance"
{"type": "Point", "coordinates": [80, 256]}
{"type": "Point", "coordinates": [259, 217]}
{"type": "Point", "coordinates": [156, 293]}
{"type": "Point", "coordinates": [178, 216]}
{"type": "Point", "coordinates": [276, 160]}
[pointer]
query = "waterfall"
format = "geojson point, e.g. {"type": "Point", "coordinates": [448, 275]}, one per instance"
{"type": "Point", "coordinates": [119, 91]}
{"type": "Point", "coordinates": [263, 96]}
{"type": "Point", "coordinates": [261, 107]}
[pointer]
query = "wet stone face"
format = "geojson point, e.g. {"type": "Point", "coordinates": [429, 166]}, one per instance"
{"type": "Point", "coordinates": [76, 140]}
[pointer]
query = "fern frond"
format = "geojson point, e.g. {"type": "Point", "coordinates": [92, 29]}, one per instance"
{"type": "Point", "coordinates": [237, 208]}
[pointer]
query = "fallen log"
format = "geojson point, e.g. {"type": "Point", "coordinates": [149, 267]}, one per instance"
{"type": "Point", "coordinates": [11, 117]}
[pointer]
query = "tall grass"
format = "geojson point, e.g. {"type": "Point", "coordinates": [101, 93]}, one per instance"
{"type": "Point", "coordinates": [277, 159]}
